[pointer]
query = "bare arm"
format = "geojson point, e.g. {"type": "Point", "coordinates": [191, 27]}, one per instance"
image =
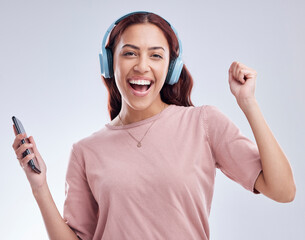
{"type": "Point", "coordinates": [276, 181]}
{"type": "Point", "coordinates": [56, 227]}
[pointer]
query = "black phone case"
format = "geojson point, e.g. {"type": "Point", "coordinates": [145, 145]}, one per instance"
{"type": "Point", "coordinates": [33, 163]}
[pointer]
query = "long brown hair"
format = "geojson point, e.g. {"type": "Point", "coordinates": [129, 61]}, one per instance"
{"type": "Point", "coordinates": [178, 93]}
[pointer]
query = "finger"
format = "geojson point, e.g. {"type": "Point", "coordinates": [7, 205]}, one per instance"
{"type": "Point", "coordinates": [241, 76]}
{"type": "Point", "coordinates": [235, 70]}
{"type": "Point", "coordinates": [32, 141]}
{"type": "Point", "coordinates": [231, 71]}
{"type": "Point", "coordinates": [232, 67]}
{"type": "Point", "coordinates": [230, 75]}
{"type": "Point", "coordinates": [249, 74]}
{"type": "Point", "coordinates": [35, 150]}
{"type": "Point", "coordinates": [249, 71]}
{"type": "Point", "coordinates": [234, 74]}
{"type": "Point", "coordinates": [17, 141]}
{"type": "Point", "coordinates": [26, 159]}
{"type": "Point", "coordinates": [15, 131]}
{"type": "Point", "coordinates": [22, 149]}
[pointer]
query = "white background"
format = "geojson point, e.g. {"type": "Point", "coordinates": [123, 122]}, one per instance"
{"type": "Point", "coordinates": [50, 80]}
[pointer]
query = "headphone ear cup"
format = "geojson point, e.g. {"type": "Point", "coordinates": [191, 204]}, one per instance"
{"type": "Point", "coordinates": [170, 71]}
{"type": "Point", "coordinates": [104, 63]}
{"type": "Point", "coordinates": [110, 62]}
{"type": "Point", "coordinates": [174, 71]}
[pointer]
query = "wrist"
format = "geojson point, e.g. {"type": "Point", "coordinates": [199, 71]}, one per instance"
{"type": "Point", "coordinates": [247, 104]}
{"type": "Point", "coordinates": [41, 190]}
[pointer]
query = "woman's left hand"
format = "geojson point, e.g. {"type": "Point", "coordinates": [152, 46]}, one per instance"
{"type": "Point", "coordinates": [242, 80]}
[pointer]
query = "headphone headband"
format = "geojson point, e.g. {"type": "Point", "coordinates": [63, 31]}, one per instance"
{"type": "Point", "coordinates": [106, 58]}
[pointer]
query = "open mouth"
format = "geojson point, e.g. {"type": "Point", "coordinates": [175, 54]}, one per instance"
{"type": "Point", "coordinates": [140, 88]}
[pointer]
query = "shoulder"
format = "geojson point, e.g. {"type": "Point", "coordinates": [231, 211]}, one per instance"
{"type": "Point", "coordinates": [212, 114]}
{"type": "Point", "coordinates": [206, 112]}
{"type": "Point", "coordinates": [186, 109]}
{"type": "Point", "coordinates": [210, 109]}
{"type": "Point", "coordinates": [90, 141]}
{"type": "Point", "coordinates": [215, 122]}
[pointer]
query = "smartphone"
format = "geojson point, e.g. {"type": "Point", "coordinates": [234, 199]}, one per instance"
{"type": "Point", "coordinates": [33, 163]}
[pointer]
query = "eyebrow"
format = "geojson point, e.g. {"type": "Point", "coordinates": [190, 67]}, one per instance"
{"type": "Point", "coordinates": [137, 48]}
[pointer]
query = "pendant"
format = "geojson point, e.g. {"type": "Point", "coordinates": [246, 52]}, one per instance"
{"type": "Point", "coordinates": [139, 144]}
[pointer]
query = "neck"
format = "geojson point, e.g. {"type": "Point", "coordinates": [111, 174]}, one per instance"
{"type": "Point", "coordinates": [129, 115]}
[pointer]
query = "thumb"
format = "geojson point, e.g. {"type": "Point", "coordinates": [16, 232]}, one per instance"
{"type": "Point", "coordinates": [31, 139]}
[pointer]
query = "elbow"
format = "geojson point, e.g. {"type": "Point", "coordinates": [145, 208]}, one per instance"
{"type": "Point", "coordinates": [292, 194]}
{"type": "Point", "coordinates": [288, 196]}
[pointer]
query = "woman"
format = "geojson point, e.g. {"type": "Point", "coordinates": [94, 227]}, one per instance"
{"type": "Point", "coordinates": [149, 173]}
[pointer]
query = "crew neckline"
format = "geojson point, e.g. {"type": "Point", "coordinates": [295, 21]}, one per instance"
{"type": "Point", "coordinates": [141, 122]}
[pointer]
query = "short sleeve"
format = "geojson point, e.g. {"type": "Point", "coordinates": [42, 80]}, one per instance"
{"type": "Point", "coordinates": [80, 208]}
{"type": "Point", "coordinates": [234, 154]}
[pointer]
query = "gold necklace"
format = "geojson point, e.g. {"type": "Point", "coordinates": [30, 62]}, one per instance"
{"type": "Point", "coordinates": [139, 142]}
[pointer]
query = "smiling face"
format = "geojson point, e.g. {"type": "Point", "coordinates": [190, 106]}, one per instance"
{"type": "Point", "coordinates": [142, 53]}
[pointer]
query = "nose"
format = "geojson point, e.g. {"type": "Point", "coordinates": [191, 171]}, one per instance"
{"type": "Point", "coordinates": [142, 65]}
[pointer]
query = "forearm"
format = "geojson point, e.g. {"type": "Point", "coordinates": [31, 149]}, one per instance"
{"type": "Point", "coordinates": [56, 227]}
{"type": "Point", "coordinates": [277, 171]}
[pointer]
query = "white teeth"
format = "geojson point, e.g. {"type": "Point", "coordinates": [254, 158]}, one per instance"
{"type": "Point", "coordinates": [140, 82]}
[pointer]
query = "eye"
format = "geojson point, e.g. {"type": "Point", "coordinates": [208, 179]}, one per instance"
{"type": "Point", "coordinates": [157, 56]}
{"type": "Point", "coordinates": [129, 54]}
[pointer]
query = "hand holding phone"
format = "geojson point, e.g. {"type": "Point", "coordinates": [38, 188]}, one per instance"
{"type": "Point", "coordinates": [33, 163]}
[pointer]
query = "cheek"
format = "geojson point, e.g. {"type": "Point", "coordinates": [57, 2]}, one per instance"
{"type": "Point", "coordinates": [118, 70]}
{"type": "Point", "coordinates": [165, 67]}
{"type": "Point", "coordinates": [122, 67]}
{"type": "Point", "coordinates": [161, 71]}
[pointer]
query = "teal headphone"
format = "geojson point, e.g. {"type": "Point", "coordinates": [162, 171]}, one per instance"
{"type": "Point", "coordinates": [106, 60]}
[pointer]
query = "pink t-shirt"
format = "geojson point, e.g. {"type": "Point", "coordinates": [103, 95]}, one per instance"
{"type": "Point", "coordinates": [162, 190]}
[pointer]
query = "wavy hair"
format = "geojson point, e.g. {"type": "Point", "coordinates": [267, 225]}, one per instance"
{"type": "Point", "coordinates": [178, 93]}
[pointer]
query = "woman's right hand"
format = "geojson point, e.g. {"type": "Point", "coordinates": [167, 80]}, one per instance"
{"type": "Point", "coordinates": [36, 180]}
